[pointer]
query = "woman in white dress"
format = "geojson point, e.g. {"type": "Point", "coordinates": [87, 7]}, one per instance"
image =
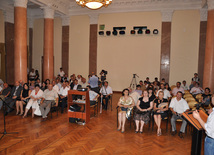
{"type": "Point", "coordinates": [35, 98]}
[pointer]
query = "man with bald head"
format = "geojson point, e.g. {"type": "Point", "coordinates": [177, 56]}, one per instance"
{"type": "Point", "coordinates": [50, 97]}
{"type": "Point", "coordinates": [15, 95]}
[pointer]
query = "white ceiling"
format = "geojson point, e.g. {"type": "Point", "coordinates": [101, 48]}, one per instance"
{"type": "Point", "coordinates": [69, 7]}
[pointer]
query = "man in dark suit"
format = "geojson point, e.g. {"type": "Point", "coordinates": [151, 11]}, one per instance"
{"type": "Point", "coordinates": [15, 95]}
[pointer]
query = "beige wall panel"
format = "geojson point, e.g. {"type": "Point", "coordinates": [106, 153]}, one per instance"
{"type": "Point", "coordinates": [184, 45]}
{"type": "Point", "coordinates": [38, 37]}
{"type": "Point", "coordinates": [1, 27]}
{"type": "Point", "coordinates": [123, 56]}
{"type": "Point", "coordinates": [79, 45]}
{"type": "Point", "coordinates": [57, 45]}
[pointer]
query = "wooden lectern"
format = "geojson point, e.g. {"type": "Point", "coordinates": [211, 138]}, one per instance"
{"type": "Point", "coordinates": [197, 131]}
{"type": "Point", "coordinates": [82, 115]}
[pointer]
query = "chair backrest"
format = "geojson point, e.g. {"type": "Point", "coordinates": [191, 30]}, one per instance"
{"type": "Point", "coordinates": [188, 99]}
{"type": "Point", "coordinates": [173, 86]}
{"type": "Point", "coordinates": [192, 104]}
{"type": "Point", "coordinates": [187, 95]}
{"type": "Point", "coordinates": [186, 91]}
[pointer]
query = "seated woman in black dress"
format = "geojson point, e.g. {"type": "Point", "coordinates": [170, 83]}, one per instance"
{"type": "Point", "coordinates": [24, 98]}
{"type": "Point", "coordinates": [160, 108]}
{"type": "Point", "coordinates": [151, 93]}
{"type": "Point", "coordinates": [144, 105]}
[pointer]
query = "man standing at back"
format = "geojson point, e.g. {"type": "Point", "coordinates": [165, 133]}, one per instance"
{"type": "Point", "coordinates": [93, 81]}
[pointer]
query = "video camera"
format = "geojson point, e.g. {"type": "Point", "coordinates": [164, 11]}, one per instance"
{"type": "Point", "coordinates": [104, 72]}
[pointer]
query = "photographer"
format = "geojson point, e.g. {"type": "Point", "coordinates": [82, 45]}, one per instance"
{"type": "Point", "coordinates": [103, 74]}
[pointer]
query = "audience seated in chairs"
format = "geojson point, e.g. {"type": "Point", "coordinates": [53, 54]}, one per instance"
{"type": "Point", "coordinates": [63, 93]}
{"type": "Point", "coordinates": [93, 96]}
{"type": "Point", "coordinates": [135, 95]}
{"type": "Point", "coordinates": [178, 105]}
{"type": "Point", "coordinates": [144, 105]}
{"type": "Point", "coordinates": [49, 98]}
{"type": "Point", "coordinates": [14, 96]}
{"type": "Point", "coordinates": [106, 93]}
{"type": "Point", "coordinates": [206, 98]}
{"type": "Point", "coordinates": [25, 96]}
{"type": "Point", "coordinates": [184, 85]}
{"type": "Point", "coordinates": [138, 90]}
{"type": "Point", "coordinates": [177, 88]}
{"type": "Point", "coordinates": [93, 81]}
{"type": "Point", "coordinates": [125, 105]}
{"type": "Point", "coordinates": [5, 94]}
{"type": "Point", "coordinates": [167, 94]}
{"type": "Point", "coordinates": [34, 101]}
{"type": "Point", "coordinates": [196, 89]}
{"type": "Point", "coordinates": [160, 110]}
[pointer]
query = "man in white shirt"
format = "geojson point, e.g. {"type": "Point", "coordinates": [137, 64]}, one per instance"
{"type": "Point", "coordinates": [167, 94]}
{"type": "Point", "coordinates": [184, 85]}
{"type": "Point", "coordinates": [178, 105]}
{"type": "Point", "coordinates": [93, 96]}
{"type": "Point", "coordinates": [48, 99]}
{"type": "Point", "coordinates": [79, 78]}
{"type": "Point", "coordinates": [177, 88]}
{"type": "Point", "coordinates": [58, 83]}
{"type": "Point", "coordinates": [55, 87]}
{"type": "Point", "coordinates": [196, 90]}
{"type": "Point", "coordinates": [61, 72]}
{"type": "Point", "coordinates": [83, 83]}
{"type": "Point", "coordinates": [106, 93]}
{"type": "Point", "coordinates": [209, 128]}
{"type": "Point", "coordinates": [63, 93]}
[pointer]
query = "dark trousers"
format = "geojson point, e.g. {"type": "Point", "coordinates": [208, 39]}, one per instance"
{"type": "Point", "coordinates": [96, 89]}
{"type": "Point", "coordinates": [62, 103]}
{"type": "Point", "coordinates": [106, 98]}
{"type": "Point", "coordinates": [11, 102]}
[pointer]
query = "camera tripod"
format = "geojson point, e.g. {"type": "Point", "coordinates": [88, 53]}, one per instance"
{"type": "Point", "coordinates": [4, 109]}
{"type": "Point", "coordinates": [133, 83]}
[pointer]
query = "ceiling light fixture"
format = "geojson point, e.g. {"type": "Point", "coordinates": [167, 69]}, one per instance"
{"type": "Point", "coordinates": [93, 4]}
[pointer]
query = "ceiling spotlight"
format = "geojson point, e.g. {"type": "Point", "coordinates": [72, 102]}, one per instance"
{"type": "Point", "coordinates": [101, 33]}
{"type": "Point", "coordinates": [132, 32]}
{"type": "Point", "coordinates": [140, 31]}
{"type": "Point", "coordinates": [122, 32]}
{"type": "Point", "coordinates": [114, 32]}
{"type": "Point", "coordinates": [147, 31]}
{"type": "Point", "coordinates": [155, 31]}
{"type": "Point", "coordinates": [108, 33]}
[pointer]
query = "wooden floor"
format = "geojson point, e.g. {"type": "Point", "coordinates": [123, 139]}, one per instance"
{"type": "Point", "coordinates": [99, 136]}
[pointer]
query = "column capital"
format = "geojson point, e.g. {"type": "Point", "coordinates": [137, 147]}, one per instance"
{"type": "Point", "coordinates": [65, 20]}
{"type": "Point", "coordinates": [48, 12]}
{"type": "Point", "coordinates": [210, 4]}
{"type": "Point", "coordinates": [94, 18]}
{"type": "Point", "coordinates": [167, 15]}
{"type": "Point", "coordinates": [30, 22]}
{"type": "Point", "coordinates": [203, 14]}
{"type": "Point", "coordinates": [9, 16]}
{"type": "Point", "coordinates": [20, 3]}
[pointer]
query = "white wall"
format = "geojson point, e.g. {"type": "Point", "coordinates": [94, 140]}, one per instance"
{"type": "Point", "coordinates": [79, 30]}
{"type": "Point", "coordinates": [122, 56]}
{"type": "Point", "coordinates": [184, 45]}
{"type": "Point", "coordinates": [38, 44]}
